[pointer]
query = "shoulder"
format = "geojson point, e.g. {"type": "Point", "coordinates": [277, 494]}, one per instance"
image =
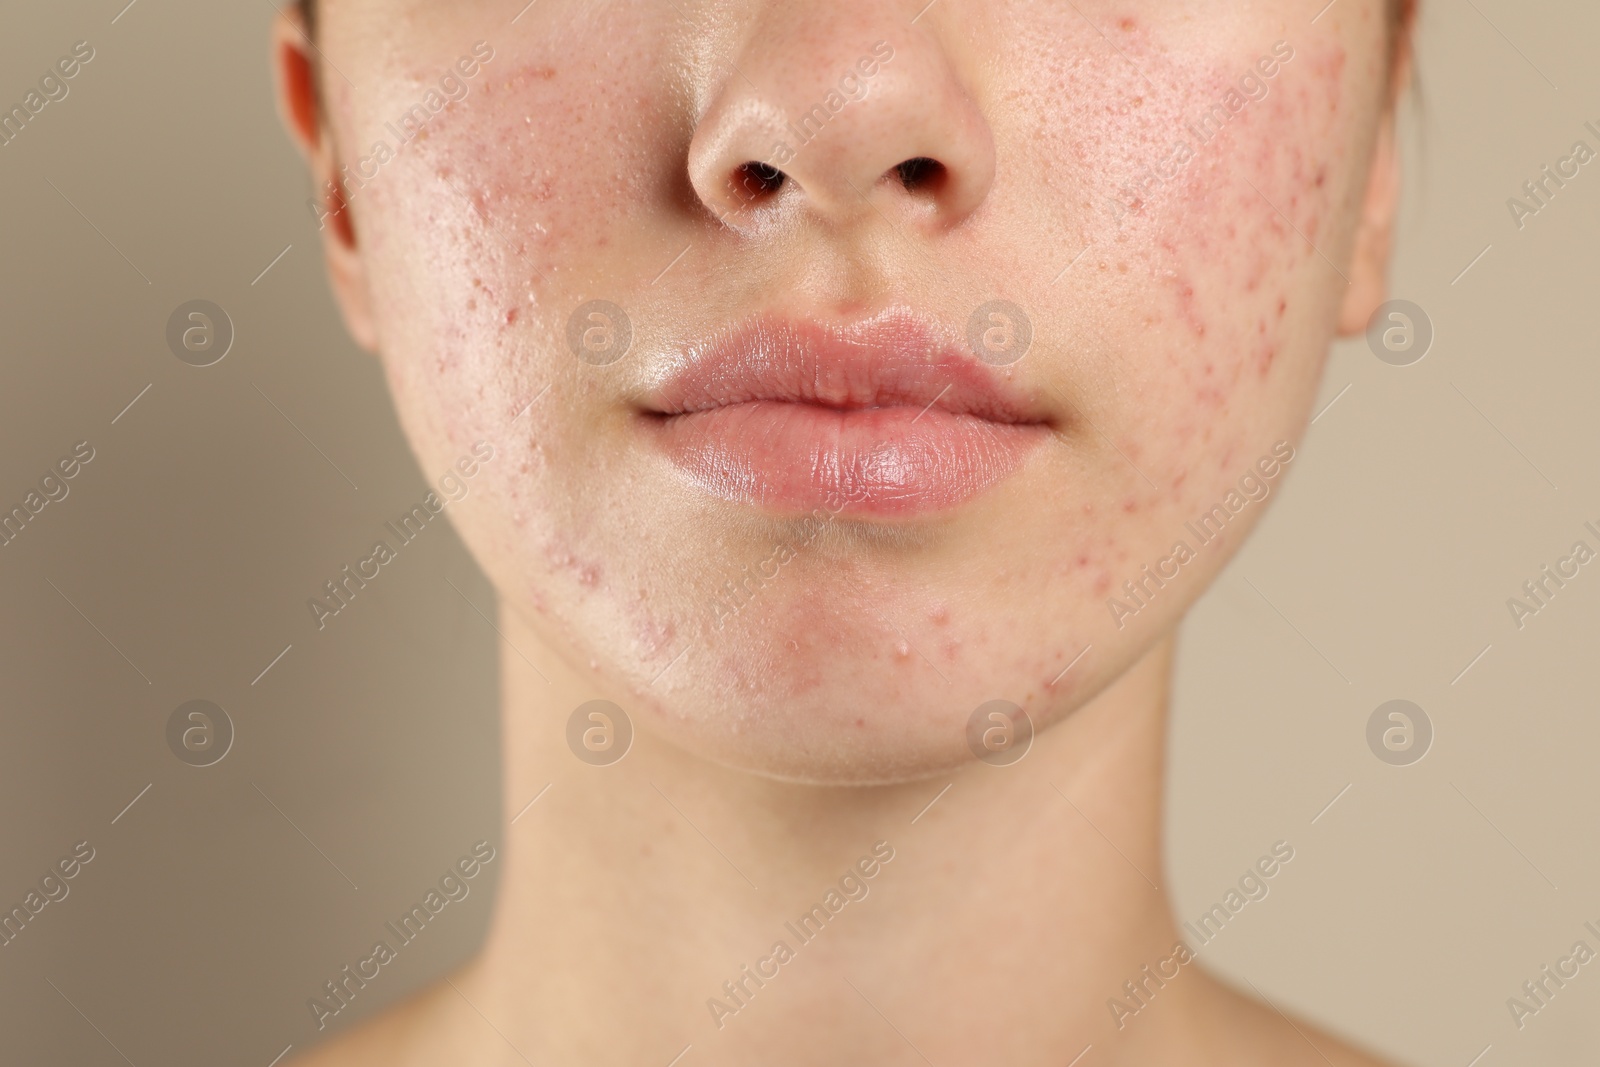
{"type": "Point", "coordinates": [1260, 1035]}
{"type": "Point", "coordinates": [415, 1032]}
{"type": "Point", "coordinates": [369, 1043]}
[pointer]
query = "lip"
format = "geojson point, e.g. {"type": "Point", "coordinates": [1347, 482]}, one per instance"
{"type": "Point", "coordinates": [884, 417]}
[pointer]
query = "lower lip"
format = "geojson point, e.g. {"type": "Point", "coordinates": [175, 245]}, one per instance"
{"type": "Point", "coordinates": [889, 461]}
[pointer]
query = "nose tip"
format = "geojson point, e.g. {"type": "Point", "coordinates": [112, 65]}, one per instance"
{"type": "Point", "coordinates": [822, 136]}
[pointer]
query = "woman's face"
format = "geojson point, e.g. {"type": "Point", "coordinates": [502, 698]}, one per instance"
{"type": "Point", "coordinates": [832, 497]}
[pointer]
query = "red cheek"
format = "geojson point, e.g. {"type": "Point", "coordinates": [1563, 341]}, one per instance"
{"type": "Point", "coordinates": [1240, 214]}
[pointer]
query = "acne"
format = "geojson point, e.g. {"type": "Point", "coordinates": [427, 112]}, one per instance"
{"type": "Point", "coordinates": [487, 250]}
{"type": "Point", "coordinates": [562, 560]}
{"type": "Point", "coordinates": [655, 638]}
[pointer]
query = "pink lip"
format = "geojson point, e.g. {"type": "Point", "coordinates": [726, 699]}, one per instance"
{"type": "Point", "coordinates": [879, 417]}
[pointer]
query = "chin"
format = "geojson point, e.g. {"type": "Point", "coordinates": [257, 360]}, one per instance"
{"type": "Point", "coordinates": [820, 740]}
{"type": "Point", "coordinates": [832, 684]}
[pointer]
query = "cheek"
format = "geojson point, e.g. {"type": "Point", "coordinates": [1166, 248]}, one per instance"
{"type": "Point", "coordinates": [491, 224]}
{"type": "Point", "coordinates": [1211, 208]}
{"type": "Point", "coordinates": [1225, 206]}
{"type": "Point", "coordinates": [1239, 215]}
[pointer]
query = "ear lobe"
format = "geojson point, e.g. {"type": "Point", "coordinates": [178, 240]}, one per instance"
{"type": "Point", "coordinates": [1369, 261]}
{"type": "Point", "coordinates": [298, 106]}
{"type": "Point", "coordinates": [300, 109]}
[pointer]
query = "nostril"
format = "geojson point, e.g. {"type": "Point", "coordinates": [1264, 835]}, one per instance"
{"type": "Point", "coordinates": [921, 174]}
{"type": "Point", "coordinates": [754, 180]}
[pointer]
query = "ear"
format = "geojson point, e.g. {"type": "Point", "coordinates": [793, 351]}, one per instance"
{"type": "Point", "coordinates": [1369, 262]}
{"type": "Point", "coordinates": [294, 62]}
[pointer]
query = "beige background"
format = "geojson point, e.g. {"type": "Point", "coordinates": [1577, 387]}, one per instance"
{"type": "Point", "coordinates": [365, 761]}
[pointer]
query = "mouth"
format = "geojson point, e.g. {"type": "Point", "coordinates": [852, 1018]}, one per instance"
{"type": "Point", "coordinates": [881, 417]}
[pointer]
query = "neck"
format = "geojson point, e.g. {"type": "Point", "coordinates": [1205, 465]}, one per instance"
{"type": "Point", "coordinates": [1015, 906]}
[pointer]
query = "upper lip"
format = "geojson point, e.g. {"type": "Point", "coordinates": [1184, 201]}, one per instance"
{"type": "Point", "coordinates": [893, 359]}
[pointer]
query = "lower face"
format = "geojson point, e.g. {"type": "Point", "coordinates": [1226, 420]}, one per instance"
{"type": "Point", "coordinates": [760, 530]}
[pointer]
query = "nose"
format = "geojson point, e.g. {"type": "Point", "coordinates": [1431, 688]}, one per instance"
{"type": "Point", "coordinates": [839, 114]}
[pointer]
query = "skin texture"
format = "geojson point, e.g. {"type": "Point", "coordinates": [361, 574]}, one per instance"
{"type": "Point", "coordinates": [1182, 282]}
